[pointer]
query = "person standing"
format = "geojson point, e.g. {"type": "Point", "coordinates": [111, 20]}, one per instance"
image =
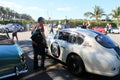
{"type": "Point", "coordinates": [39, 43]}
{"type": "Point", "coordinates": [51, 28]}
{"type": "Point", "coordinates": [67, 25]}
{"type": "Point", "coordinates": [60, 26]}
{"type": "Point", "coordinates": [14, 33]}
{"type": "Point", "coordinates": [88, 25]}
{"type": "Point", "coordinates": [106, 28]}
{"type": "Point", "coordinates": [109, 28]}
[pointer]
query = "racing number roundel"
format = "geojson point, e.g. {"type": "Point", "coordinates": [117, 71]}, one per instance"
{"type": "Point", "coordinates": [55, 49]}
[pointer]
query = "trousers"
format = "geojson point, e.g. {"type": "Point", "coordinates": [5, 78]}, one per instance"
{"type": "Point", "coordinates": [39, 50]}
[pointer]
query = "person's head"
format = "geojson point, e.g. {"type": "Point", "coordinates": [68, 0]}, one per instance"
{"type": "Point", "coordinates": [59, 22]}
{"type": "Point", "coordinates": [41, 20]}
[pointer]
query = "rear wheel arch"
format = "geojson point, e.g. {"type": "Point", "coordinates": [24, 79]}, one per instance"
{"type": "Point", "coordinates": [80, 64]}
{"type": "Point", "coordinates": [72, 53]}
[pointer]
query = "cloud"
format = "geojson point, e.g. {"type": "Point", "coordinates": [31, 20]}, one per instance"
{"type": "Point", "coordinates": [64, 9]}
{"type": "Point", "coordinates": [20, 8]}
{"type": "Point", "coordinates": [11, 5]}
{"type": "Point", "coordinates": [34, 8]}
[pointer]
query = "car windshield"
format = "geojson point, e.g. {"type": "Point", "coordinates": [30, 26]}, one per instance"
{"type": "Point", "coordinates": [4, 39]}
{"type": "Point", "coordinates": [105, 41]}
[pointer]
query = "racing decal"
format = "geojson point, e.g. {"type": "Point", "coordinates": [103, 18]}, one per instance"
{"type": "Point", "coordinates": [55, 49]}
{"type": "Point", "coordinates": [86, 44]}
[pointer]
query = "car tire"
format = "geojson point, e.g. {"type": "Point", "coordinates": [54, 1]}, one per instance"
{"type": "Point", "coordinates": [75, 64]}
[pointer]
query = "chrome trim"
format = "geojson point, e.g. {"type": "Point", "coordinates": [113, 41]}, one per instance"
{"type": "Point", "coordinates": [13, 74]}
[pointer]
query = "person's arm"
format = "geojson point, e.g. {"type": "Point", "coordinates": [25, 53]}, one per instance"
{"type": "Point", "coordinates": [43, 34]}
{"type": "Point", "coordinates": [34, 26]}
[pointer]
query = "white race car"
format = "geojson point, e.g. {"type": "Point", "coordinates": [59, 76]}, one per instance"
{"type": "Point", "coordinates": [85, 50]}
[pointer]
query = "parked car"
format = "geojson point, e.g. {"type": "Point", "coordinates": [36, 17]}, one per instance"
{"type": "Point", "coordinates": [99, 29]}
{"type": "Point", "coordinates": [81, 26]}
{"type": "Point", "coordinates": [12, 58]}
{"type": "Point", "coordinates": [9, 27]}
{"type": "Point", "coordinates": [85, 50]}
{"type": "Point", "coordinates": [1, 28]}
{"type": "Point", "coordinates": [115, 30]}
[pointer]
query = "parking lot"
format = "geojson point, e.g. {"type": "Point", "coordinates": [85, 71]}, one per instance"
{"type": "Point", "coordinates": [55, 70]}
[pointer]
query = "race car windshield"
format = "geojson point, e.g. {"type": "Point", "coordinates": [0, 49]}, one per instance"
{"type": "Point", "coordinates": [105, 41]}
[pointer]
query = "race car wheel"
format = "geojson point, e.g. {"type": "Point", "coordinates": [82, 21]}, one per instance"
{"type": "Point", "coordinates": [75, 64]}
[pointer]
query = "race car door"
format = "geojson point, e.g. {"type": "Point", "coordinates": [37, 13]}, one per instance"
{"type": "Point", "coordinates": [64, 45]}
{"type": "Point", "coordinates": [59, 45]}
{"type": "Point", "coordinates": [67, 44]}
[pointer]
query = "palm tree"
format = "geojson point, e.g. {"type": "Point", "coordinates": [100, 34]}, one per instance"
{"type": "Point", "coordinates": [1, 12]}
{"type": "Point", "coordinates": [12, 14]}
{"type": "Point", "coordinates": [98, 13]}
{"type": "Point", "coordinates": [8, 13]}
{"type": "Point", "coordinates": [17, 15]}
{"type": "Point", "coordinates": [116, 13]}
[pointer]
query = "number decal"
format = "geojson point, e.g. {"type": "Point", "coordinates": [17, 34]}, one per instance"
{"type": "Point", "coordinates": [55, 49]}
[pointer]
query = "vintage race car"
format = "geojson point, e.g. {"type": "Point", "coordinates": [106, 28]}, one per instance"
{"type": "Point", "coordinates": [12, 59]}
{"type": "Point", "coordinates": [85, 50]}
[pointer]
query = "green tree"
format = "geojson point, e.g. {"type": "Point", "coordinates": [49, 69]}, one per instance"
{"type": "Point", "coordinates": [8, 13]}
{"type": "Point", "coordinates": [4, 13]}
{"type": "Point", "coordinates": [1, 13]}
{"type": "Point", "coordinates": [26, 17]}
{"type": "Point", "coordinates": [98, 13]}
{"type": "Point", "coordinates": [116, 13]}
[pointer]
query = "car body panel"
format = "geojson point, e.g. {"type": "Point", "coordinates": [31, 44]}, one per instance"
{"type": "Point", "coordinates": [97, 58]}
{"type": "Point", "coordinates": [9, 27]}
{"type": "Point", "coordinates": [10, 58]}
{"type": "Point", "coordinates": [115, 30]}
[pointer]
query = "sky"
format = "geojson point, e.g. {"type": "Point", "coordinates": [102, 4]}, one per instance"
{"type": "Point", "coordinates": [59, 9]}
